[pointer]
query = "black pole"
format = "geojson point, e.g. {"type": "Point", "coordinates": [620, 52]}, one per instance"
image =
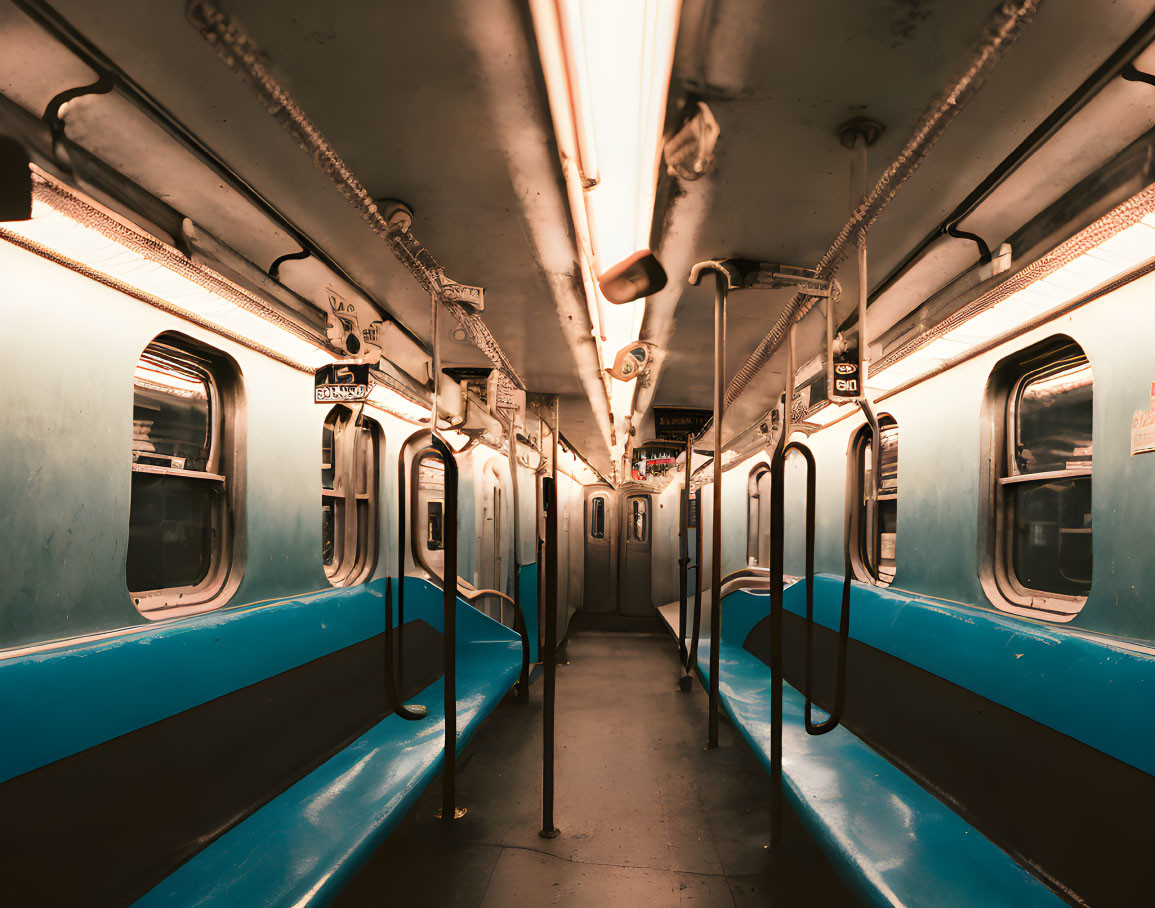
{"type": "Point", "coordinates": [720, 285]}
{"type": "Point", "coordinates": [683, 562]}
{"type": "Point", "coordinates": [449, 810]}
{"type": "Point", "coordinates": [523, 679]}
{"type": "Point", "coordinates": [697, 633]}
{"type": "Point", "coordinates": [549, 691]}
{"type": "Point", "coordinates": [777, 554]}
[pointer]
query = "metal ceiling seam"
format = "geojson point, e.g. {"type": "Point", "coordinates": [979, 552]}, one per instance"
{"type": "Point", "coordinates": [1001, 29]}
{"type": "Point", "coordinates": [242, 55]}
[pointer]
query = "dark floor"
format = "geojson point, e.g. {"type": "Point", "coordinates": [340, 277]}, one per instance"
{"type": "Point", "coordinates": [647, 815]}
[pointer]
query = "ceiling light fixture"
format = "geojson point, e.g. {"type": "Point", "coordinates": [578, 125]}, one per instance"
{"type": "Point", "coordinates": [607, 71]}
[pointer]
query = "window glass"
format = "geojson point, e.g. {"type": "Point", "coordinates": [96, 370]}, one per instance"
{"type": "Point", "coordinates": [171, 414]}
{"type": "Point", "coordinates": [428, 511]}
{"type": "Point", "coordinates": [1044, 489]}
{"type": "Point", "coordinates": [1051, 547]}
{"type": "Point", "coordinates": [876, 508]}
{"type": "Point", "coordinates": [598, 517]}
{"type": "Point", "coordinates": [171, 532]}
{"type": "Point", "coordinates": [179, 512]}
{"type": "Point", "coordinates": [639, 520]}
{"type": "Point", "coordinates": [1053, 418]}
{"type": "Point", "coordinates": [349, 507]}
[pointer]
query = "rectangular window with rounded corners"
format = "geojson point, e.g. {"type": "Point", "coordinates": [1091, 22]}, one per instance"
{"type": "Point", "coordinates": [758, 517]}
{"type": "Point", "coordinates": [1043, 402]}
{"type": "Point", "coordinates": [350, 517]}
{"type": "Point", "coordinates": [185, 498]}
{"type": "Point", "coordinates": [428, 511]}
{"type": "Point", "coordinates": [874, 502]}
{"type": "Point", "coordinates": [638, 523]}
{"type": "Point", "coordinates": [597, 524]}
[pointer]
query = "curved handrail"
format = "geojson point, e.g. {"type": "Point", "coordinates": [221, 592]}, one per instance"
{"type": "Point", "coordinates": [519, 627]}
{"type": "Point", "coordinates": [392, 692]}
{"type": "Point", "coordinates": [692, 659]}
{"type": "Point", "coordinates": [835, 715]}
{"type": "Point", "coordinates": [448, 603]}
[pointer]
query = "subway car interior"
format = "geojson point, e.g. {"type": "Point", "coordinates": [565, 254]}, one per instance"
{"type": "Point", "coordinates": [353, 352]}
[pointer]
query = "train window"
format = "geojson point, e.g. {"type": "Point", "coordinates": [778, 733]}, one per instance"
{"type": "Point", "coordinates": [758, 516]}
{"type": "Point", "coordinates": [639, 520]}
{"type": "Point", "coordinates": [349, 501]}
{"type": "Point", "coordinates": [874, 509]}
{"type": "Point", "coordinates": [184, 480]}
{"type": "Point", "coordinates": [598, 517]}
{"type": "Point", "coordinates": [428, 511]}
{"type": "Point", "coordinates": [1042, 492]}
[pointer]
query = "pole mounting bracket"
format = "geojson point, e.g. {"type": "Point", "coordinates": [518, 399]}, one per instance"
{"type": "Point", "coordinates": [744, 274]}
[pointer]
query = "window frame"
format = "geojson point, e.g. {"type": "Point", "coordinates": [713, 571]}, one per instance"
{"type": "Point", "coordinates": [419, 523]}
{"type": "Point", "coordinates": [224, 469]}
{"type": "Point", "coordinates": [754, 513]}
{"type": "Point", "coordinates": [353, 564]}
{"type": "Point", "coordinates": [864, 521]}
{"type": "Point", "coordinates": [1010, 377]}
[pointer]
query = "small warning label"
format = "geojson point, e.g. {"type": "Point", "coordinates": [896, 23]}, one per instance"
{"type": "Point", "coordinates": [1143, 428]}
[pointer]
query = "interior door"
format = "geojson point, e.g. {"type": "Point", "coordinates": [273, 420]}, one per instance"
{"type": "Point", "coordinates": [636, 534]}
{"type": "Point", "coordinates": [601, 574]}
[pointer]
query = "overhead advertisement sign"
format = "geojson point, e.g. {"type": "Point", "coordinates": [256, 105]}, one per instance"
{"type": "Point", "coordinates": [341, 383]}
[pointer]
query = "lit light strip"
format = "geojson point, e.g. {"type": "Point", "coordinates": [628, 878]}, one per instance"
{"type": "Point", "coordinates": [1115, 244]}
{"type": "Point", "coordinates": [71, 229]}
{"type": "Point", "coordinates": [607, 68]}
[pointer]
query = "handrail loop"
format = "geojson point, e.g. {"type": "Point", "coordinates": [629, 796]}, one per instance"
{"type": "Point", "coordinates": [448, 811]}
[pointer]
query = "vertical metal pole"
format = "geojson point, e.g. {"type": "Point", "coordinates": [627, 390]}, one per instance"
{"type": "Point", "coordinates": [684, 556]}
{"type": "Point", "coordinates": [449, 810]}
{"type": "Point", "coordinates": [863, 351]}
{"type": "Point", "coordinates": [720, 287]}
{"type": "Point", "coordinates": [692, 660]}
{"type": "Point", "coordinates": [523, 680]}
{"type": "Point", "coordinates": [549, 682]}
{"type": "Point", "coordinates": [777, 527]}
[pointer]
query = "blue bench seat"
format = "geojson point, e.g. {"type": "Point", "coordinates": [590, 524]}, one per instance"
{"type": "Point", "coordinates": [301, 847]}
{"type": "Point", "coordinates": [893, 840]}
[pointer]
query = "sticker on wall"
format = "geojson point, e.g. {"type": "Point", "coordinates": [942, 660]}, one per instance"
{"type": "Point", "coordinates": [1143, 428]}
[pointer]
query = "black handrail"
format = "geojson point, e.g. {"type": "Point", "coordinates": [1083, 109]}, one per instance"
{"type": "Point", "coordinates": [831, 722]}
{"type": "Point", "coordinates": [692, 661]}
{"type": "Point", "coordinates": [449, 811]}
{"type": "Point", "coordinates": [549, 828]}
{"type": "Point", "coordinates": [392, 693]}
{"type": "Point", "coordinates": [683, 569]}
{"type": "Point", "coordinates": [777, 553]}
{"type": "Point", "coordinates": [523, 678]}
